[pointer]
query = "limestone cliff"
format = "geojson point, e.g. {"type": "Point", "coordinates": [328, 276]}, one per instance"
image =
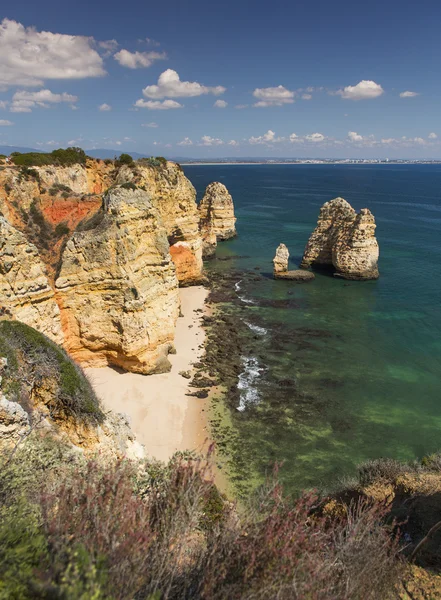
{"type": "Point", "coordinates": [345, 241]}
{"type": "Point", "coordinates": [174, 197]}
{"type": "Point", "coordinates": [217, 220]}
{"type": "Point", "coordinates": [25, 293]}
{"type": "Point", "coordinates": [117, 288]}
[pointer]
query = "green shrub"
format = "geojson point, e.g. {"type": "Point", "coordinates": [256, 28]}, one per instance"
{"type": "Point", "coordinates": [61, 229]}
{"type": "Point", "coordinates": [60, 187]}
{"type": "Point", "coordinates": [60, 157]}
{"type": "Point", "coordinates": [125, 159]}
{"type": "Point", "coordinates": [129, 186]}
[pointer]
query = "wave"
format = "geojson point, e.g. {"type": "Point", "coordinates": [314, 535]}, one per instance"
{"type": "Point", "coordinates": [256, 328]}
{"type": "Point", "coordinates": [247, 382]}
{"type": "Point", "coordinates": [237, 288]}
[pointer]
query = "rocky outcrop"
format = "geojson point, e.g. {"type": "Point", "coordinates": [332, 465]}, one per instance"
{"type": "Point", "coordinates": [174, 197]}
{"type": "Point", "coordinates": [217, 220]}
{"type": "Point", "coordinates": [25, 292]}
{"type": "Point", "coordinates": [345, 241]}
{"type": "Point", "coordinates": [281, 259]}
{"type": "Point", "coordinates": [117, 288]}
{"type": "Point", "coordinates": [280, 262]}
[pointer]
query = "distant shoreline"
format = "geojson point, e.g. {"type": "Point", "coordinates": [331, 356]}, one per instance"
{"type": "Point", "coordinates": [295, 164]}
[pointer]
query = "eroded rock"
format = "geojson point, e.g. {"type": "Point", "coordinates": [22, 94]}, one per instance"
{"type": "Point", "coordinates": [217, 220]}
{"type": "Point", "coordinates": [345, 241]}
{"type": "Point", "coordinates": [281, 261]}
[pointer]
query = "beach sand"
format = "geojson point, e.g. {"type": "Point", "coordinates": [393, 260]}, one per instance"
{"type": "Point", "coordinates": [163, 418]}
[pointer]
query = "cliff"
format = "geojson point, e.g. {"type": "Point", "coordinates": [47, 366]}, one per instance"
{"type": "Point", "coordinates": [217, 220]}
{"type": "Point", "coordinates": [174, 197]}
{"type": "Point", "coordinates": [117, 287]}
{"type": "Point", "coordinates": [345, 241]}
{"type": "Point", "coordinates": [25, 292]}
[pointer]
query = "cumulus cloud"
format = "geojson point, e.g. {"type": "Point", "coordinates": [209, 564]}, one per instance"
{"type": "Point", "coordinates": [109, 47]}
{"type": "Point", "coordinates": [170, 86]}
{"type": "Point", "coordinates": [233, 143]}
{"type": "Point", "coordinates": [5, 123]}
{"type": "Point", "coordinates": [24, 101]}
{"type": "Point", "coordinates": [28, 56]}
{"type": "Point", "coordinates": [353, 136]}
{"type": "Point", "coordinates": [432, 136]}
{"type": "Point", "coordinates": [294, 138]}
{"type": "Point", "coordinates": [220, 104]}
{"type": "Point", "coordinates": [364, 90]}
{"type": "Point", "coordinates": [185, 142]}
{"type": "Point", "coordinates": [408, 94]}
{"type": "Point", "coordinates": [152, 125]}
{"type": "Point", "coordinates": [157, 105]}
{"type": "Point", "coordinates": [315, 137]}
{"type": "Point", "coordinates": [267, 138]}
{"type": "Point", "coordinates": [306, 96]}
{"type": "Point", "coordinates": [104, 107]}
{"type": "Point", "coordinates": [3, 104]}
{"type": "Point", "coordinates": [137, 60]}
{"type": "Point", "coordinates": [207, 140]}
{"type": "Point", "coordinates": [273, 96]}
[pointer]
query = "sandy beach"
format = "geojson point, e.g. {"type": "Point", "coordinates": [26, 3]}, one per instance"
{"type": "Point", "coordinates": [163, 418]}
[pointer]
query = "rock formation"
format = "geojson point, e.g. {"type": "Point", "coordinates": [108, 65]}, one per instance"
{"type": "Point", "coordinates": [117, 288]}
{"type": "Point", "coordinates": [174, 197]}
{"type": "Point", "coordinates": [345, 241]}
{"type": "Point", "coordinates": [217, 220]}
{"type": "Point", "coordinates": [25, 292]}
{"type": "Point", "coordinates": [280, 262]}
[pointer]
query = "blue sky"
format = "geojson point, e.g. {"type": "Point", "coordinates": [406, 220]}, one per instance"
{"type": "Point", "coordinates": [204, 79]}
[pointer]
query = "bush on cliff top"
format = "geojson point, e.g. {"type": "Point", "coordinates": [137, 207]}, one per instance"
{"type": "Point", "coordinates": [34, 358]}
{"type": "Point", "coordinates": [61, 157]}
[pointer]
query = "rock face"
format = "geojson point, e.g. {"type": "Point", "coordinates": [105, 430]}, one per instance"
{"type": "Point", "coordinates": [174, 197]}
{"type": "Point", "coordinates": [25, 292]}
{"type": "Point", "coordinates": [217, 220]}
{"type": "Point", "coordinates": [345, 241]}
{"type": "Point", "coordinates": [281, 259]}
{"type": "Point", "coordinates": [280, 262]}
{"type": "Point", "coordinates": [117, 288]}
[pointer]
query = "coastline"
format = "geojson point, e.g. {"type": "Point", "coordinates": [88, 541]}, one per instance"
{"type": "Point", "coordinates": [164, 419]}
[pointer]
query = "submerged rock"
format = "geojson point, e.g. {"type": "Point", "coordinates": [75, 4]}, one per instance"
{"type": "Point", "coordinates": [280, 262]}
{"type": "Point", "coordinates": [345, 241]}
{"type": "Point", "coordinates": [217, 220]}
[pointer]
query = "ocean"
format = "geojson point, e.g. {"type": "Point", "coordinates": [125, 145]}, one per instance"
{"type": "Point", "coordinates": [338, 372]}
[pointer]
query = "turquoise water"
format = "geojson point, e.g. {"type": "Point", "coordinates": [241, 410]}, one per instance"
{"type": "Point", "coordinates": [365, 356]}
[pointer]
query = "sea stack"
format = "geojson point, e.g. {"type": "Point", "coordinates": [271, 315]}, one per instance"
{"type": "Point", "coordinates": [344, 241]}
{"type": "Point", "coordinates": [216, 214]}
{"type": "Point", "coordinates": [280, 262]}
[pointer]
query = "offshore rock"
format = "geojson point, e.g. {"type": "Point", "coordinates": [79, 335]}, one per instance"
{"type": "Point", "coordinates": [25, 292]}
{"type": "Point", "coordinates": [345, 241]}
{"type": "Point", "coordinates": [280, 262]}
{"type": "Point", "coordinates": [217, 220]}
{"type": "Point", "coordinates": [281, 259]}
{"type": "Point", "coordinates": [174, 197]}
{"type": "Point", "coordinates": [117, 288]}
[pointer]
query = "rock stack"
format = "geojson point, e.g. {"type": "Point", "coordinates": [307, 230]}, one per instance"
{"type": "Point", "coordinates": [217, 220]}
{"type": "Point", "coordinates": [345, 241]}
{"type": "Point", "coordinates": [280, 262]}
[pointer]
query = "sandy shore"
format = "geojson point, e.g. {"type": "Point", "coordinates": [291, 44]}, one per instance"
{"type": "Point", "coordinates": [163, 418]}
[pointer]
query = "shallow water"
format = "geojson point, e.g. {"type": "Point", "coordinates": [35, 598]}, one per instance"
{"type": "Point", "coordinates": [366, 356]}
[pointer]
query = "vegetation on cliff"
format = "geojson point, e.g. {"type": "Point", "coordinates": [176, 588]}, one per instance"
{"type": "Point", "coordinates": [60, 157]}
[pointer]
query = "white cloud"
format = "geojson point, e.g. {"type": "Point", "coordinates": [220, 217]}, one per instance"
{"type": "Point", "coordinates": [353, 136]}
{"type": "Point", "coordinates": [207, 140]}
{"type": "Point", "coordinates": [24, 102]}
{"type": "Point", "coordinates": [152, 125]}
{"type": "Point", "coordinates": [104, 107]}
{"type": "Point", "coordinates": [294, 138]}
{"type": "Point", "coordinates": [151, 42]}
{"type": "Point", "coordinates": [185, 142]}
{"type": "Point", "coordinates": [408, 94]}
{"type": "Point", "coordinates": [170, 86]}
{"type": "Point", "coordinates": [315, 137]}
{"type": "Point", "coordinates": [3, 104]}
{"type": "Point", "coordinates": [233, 143]}
{"type": "Point", "coordinates": [137, 60]}
{"type": "Point", "coordinates": [365, 90]}
{"type": "Point", "coordinates": [109, 47]}
{"type": "Point", "coordinates": [241, 106]}
{"type": "Point", "coordinates": [157, 105]}
{"type": "Point", "coordinates": [432, 136]}
{"type": "Point", "coordinates": [273, 96]}
{"type": "Point", "coordinates": [267, 138]}
{"type": "Point", "coordinates": [306, 96]}
{"type": "Point", "coordinates": [220, 104]}
{"type": "Point", "coordinates": [28, 56]}
{"type": "Point", "coordinates": [5, 123]}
